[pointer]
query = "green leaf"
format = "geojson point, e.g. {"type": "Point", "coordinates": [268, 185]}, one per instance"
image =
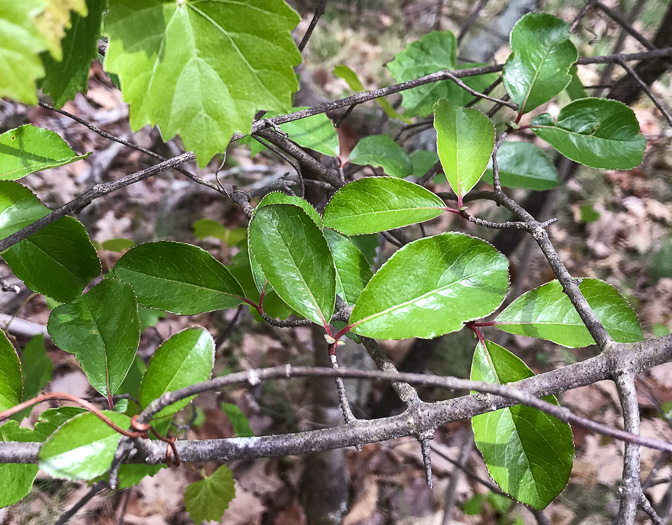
{"type": "Point", "coordinates": [208, 228]}
{"type": "Point", "coordinates": [117, 245]}
{"type": "Point", "coordinates": [351, 78]}
{"type": "Point", "coordinates": [55, 19]}
{"type": "Point", "coordinates": [57, 261]}
{"type": "Point", "coordinates": [547, 313]}
{"type": "Point", "coordinates": [102, 329]}
{"type": "Point", "coordinates": [538, 67]}
{"type": "Point", "coordinates": [353, 271]}
{"type": "Point", "coordinates": [432, 53]}
{"type": "Point", "coordinates": [241, 425]}
{"type": "Point", "coordinates": [131, 383]}
{"type": "Point", "coordinates": [382, 151]}
{"type": "Point", "coordinates": [149, 317]}
{"type": "Point", "coordinates": [575, 88]}
{"type": "Point", "coordinates": [16, 480]}
{"type": "Point", "coordinates": [524, 165]}
{"type": "Point", "coordinates": [11, 382]}
{"type": "Point", "coordinates": [65, 78]}
{"type": "Point", "coordinates": [423, 161]}
{"type": "Point", "coordinates": [597, 132]}
{"type": "Point", "coordinates": [52, 418]}
{"type": "Point", "coordinates": [83, 447]}
{"type": "Point", "coordinates": [28, 149]}
{"type": "Point", "coordinates": [528, 452]}
{"type": "Point", "coordinates": [295, 258]}
{"type": "Point", "coordinates": [37, 371]}
{"type": "Point", "coordinates": [277, 197]}
{"type": "Point", "coordinates": [202, 69]}
{"type": "Point", "coordinates": [431, 287]}
{"type": "Point", "coordinates": [179, 278]}
{"type": "Point", "coordinates": [465, 139]}
{"type": "Point", "coordinates": [316, 133]}
{"type": "Point", "coordinates": [377, 204]}
{"type": "Point", "coordinates": [19, 207]}
{"type": "Point", "coordinates": [208, 499]}
{"type": "Point", "coordinates": [184, 359]}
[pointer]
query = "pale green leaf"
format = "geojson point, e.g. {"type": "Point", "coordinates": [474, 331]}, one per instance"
{"type": "Point", "coordinates": [179, 278]}
{"type": "Point", "coordinates": [184, 359]}
{"type": "Point", "coordinates": [202, 69]}
{"type": "Point", "coordinates": [240, 423]}
{"type": "Point", "coordinates": [28, 149]}
{"type": "Point", "coordinates": [431, 287]}
{"type": "Point", "coordinates": [208, 499]}
{"type": "Point", "coordinates": [382, 151]}
{"type": "Point", "coordinates": [117, 245]}
{"type": "Point", "coordinates": [16, 480]}
{"type": "Point", "coordinates": [37, 370]}
{"type": "Point", "coordinates": [353, 271]}
{"type": "Point", "coordinates": [55, 19]}
{"type": "Point", "coordinates": [83, 447]}
{"type": "Point", "coordinates": [11, 381]}
{"type": "Point", "coordinates": [597, 132]}
{"type": "Point", "coordinates": [52, 418]}
{"type": "Point", "coordinates": [102, 329]}
{"type": "Point", "coordinates": [547, 313]}
{"type": "Point", "coordinates": [465, 139]}
{"type": "Point", "coordinates": [208, 228]}
{"type": "Point", "coordinates": [19, 207]}
{"type": "Point", "coordinates": [524, 165]}
{"type": "Point", "coordinates": [377, 204]}
{"type": "Point", "coordinates": [296, 260]}
{"type": "Point", "coordinates": [538, 67]}
{"type": "Point", "coordinates": [528, 452]}
{"type": "Point", "coordinates": [278, 197]}
{"type": "Point", "coordinates": [316, 133]}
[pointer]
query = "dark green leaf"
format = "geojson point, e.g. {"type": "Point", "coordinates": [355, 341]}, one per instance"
{"type": "Point", "coordinates": [179, 278]}
{"type": "Point", "coordinates": [83, 447]}
{"type": "Point", "coordinates": [524, 165]}
{"type": "Point", "coordinates": [538, 67]}
{"type": "Point", "coordinates": [37, 371]}
{"type": "Point", "coordinates": [149, 317]}
{"type": "Point", "coordinates": [131, 383]}
{"type": "Point", "coordinates": [377, 204]}
{"type": "Point", "coordinates": [184, 359]}
{"type": "Point", "coordinates": [241, 425]}
{"type": "Point", "coordinates": [423, 161]}
{"type": "Point", "coordinates": [528, 452]}
{"type": "Point", "coordinates": [278, 197]}
{"type": "Point", "coordinates": [102, 329]}
{"type": "Point", "coordinates": [52, 418]}
{"type": "Point", "coordinates": [464, 139]}
{"type": "Point", "coordinates": [11, 382]}
{"type": "Point", "coordinates": [575, 88]}
{"type": "Point", "coordinates": [130, 475]}
{"type": "Point", "coordinates": [208, 499]}
{"type": "Point", "coordinates": [382, 151]}
{"type": "Point", "coordinates": [28, 149]}
{"type": "Point", "coordinates": [58, 260]}
{"type": "Point", "coordinates": [547, 313]}
{"type": "Point", "coordinates": [353, 271]}
{"type": "Point", "coordinates": [597, 132]}
{"type": "Point", "coordinates": [431, 287]}
{"type": "Point", "coordinates": [117, 245]}
{"type": "Point", "coordinates": [296, 260]}
{"type": "Point", "coordinates": [18, 208]}
{"type": "Point", "coordinates": [16, 480]}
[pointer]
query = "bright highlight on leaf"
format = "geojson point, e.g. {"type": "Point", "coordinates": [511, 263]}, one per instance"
{"type": "Point", "coordinates": [465, 139]}
{"type": "Point", "coordinates": [431, 287]}
{"type": "Point", "coordinates": [597, 132]}
{"type": "Point", "coordinates": [208, 499]}
{"type": "Point", "coordinates": [538, 68]}
{"type": "Point", "coordinates": [202, 69]}
{"type": "Point", "coordinates": [377, 204]}
{"type": "Point", "coordinates": [382, 151]}
{"type": "Point", "coordinates": [28, 149]}
{"type": "Point", "coordinates": [528, 452]}
{"type": "Point", "coordinates": [547, 313]}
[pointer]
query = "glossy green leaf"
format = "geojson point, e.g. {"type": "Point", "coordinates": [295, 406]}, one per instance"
{"type": "Point", "coordinates": [16, 480]}
{"type": "Point", "coordinates": [240, 423]}
{"type": "Point", "coordinates": [28, 149]}
{"type": "Point", "coordinates": [575, 88]}
{"type": "Point", "coordinates": [83, 447]}
{"type": "Point", "coordinates": [464, 139]}
{"type": "Point", "coordinates": [117, 245]}
{"type": "Point", "coordinates": [208, 499]}
{"type": "Point", "coordinates": [19, 207]}
{"type": "Point", "coordinates": [353, 271]}
{"type": "Point", "coordinates": [528, 452]}
{"type": "Point", "coordinates": [597, 132]}
{"type": "Point", "coordinates": [547, 313]}
{"type": "Point", "coordinates": [37, 370]}
{"type": "Point", "coordinates": [431, 53]}
{"type": "Point", "coordinates": [184, 359]}
{"type": "Point", "coordinates": [377, 204]}
{"type": "Point", "coordinates": [538, 67]}
{"type": "Point", "coordinates": [277, 197]}
{"type": "Point", "coordinates": [524, 165]}
{"type": "Point", "coordinates": [351, 78]}
{"type": "Point", "coordinates": [208, 228]}
{"type": "Point", "coordinates": [11, 381]}
{"type": "Point", "coordinates": [179, 278]}
{"type": "Point", "coordinates": [52, 418]}
{"type": "Point", "coordinates": [382, 151]}
{"type": "Point", "coordinates": [431, 287]}
{"type": "Point", "coordinates": [102, 329]}
{"type": "Point", "coordinates": [65, 78]}
{"type": "Point", "coordinates": [57, 261]}
{"type": "Point", "coordinates": [202, 69]}
{"type": "Point", "coordinates": [295, 258]}
{"type": "Point", "coordinates": [316, 133]}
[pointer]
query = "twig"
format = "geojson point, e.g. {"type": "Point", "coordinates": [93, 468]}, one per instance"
{"type": "Point", "coordinates": [284, 157]}
{"type": "Point", "coordinates": [95, 489]}
{"type": "Point", "coordinates": [348, 416]}
{"type": "Point", "coordinates": [503, 102]}
{"type": "Point", "coordinates": [631, 488]}
{"type": "Point", "coordinates": [616, 17]}
{"type": "Point", "coordinates": [465, 451]}
{"type": "Point", "coordinates": [466, 26]}
{"type": "Point", "coordinates": [319, 11]}
{"type": "Point", "coordinates": [581, 15]}
{"type": "Point", "coordinates": [646, 506]}
{"type": "Point", "coordinates": [646, 90]}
